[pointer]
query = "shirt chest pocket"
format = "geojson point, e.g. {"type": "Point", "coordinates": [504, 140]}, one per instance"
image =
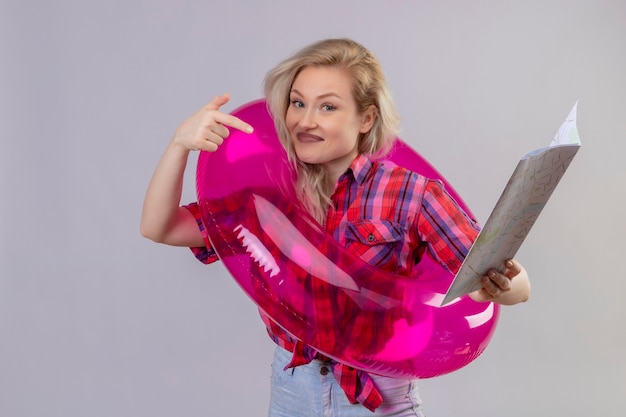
{"type": "Point", "coordinates": [377, 242]}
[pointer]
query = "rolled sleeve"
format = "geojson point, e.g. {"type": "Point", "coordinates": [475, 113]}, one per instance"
{"type": "Point", "coordinates": [445, 227]}
{"type": "Point", "coordinates": [205, 254]}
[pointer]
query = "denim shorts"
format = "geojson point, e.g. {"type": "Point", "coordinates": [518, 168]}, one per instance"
{"type": "Point", "coordinates": [312, 391]}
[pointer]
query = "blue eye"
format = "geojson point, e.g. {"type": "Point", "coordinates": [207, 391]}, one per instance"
{"type": "Point", "coordinates": [328, 107]}
{"type": "Point", "coordinates": [297, 103]}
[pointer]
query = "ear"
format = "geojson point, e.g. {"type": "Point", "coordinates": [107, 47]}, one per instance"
{"type": "Point", "coordinates": [368, 117]}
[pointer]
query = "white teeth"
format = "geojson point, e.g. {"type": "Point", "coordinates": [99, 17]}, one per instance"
{"type": "Point", "coordinates": [258, 251]}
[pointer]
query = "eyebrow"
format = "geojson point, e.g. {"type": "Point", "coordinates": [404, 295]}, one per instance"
{"type": "Point", "coordinates": [322, 96]}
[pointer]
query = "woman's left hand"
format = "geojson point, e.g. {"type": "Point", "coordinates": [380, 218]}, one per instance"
{"type": "Point", "coordinates": [511, 286]}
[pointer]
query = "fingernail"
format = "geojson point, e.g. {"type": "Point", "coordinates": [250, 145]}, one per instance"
{"type": "Point", "coordinates": [509, 264]}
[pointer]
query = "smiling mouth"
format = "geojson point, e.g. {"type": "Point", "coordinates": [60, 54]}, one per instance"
{"type": "Point", "coordinates": [308, 138]}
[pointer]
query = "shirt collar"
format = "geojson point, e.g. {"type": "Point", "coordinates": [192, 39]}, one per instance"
{"type": "Point", "coordinates": [360, 167]}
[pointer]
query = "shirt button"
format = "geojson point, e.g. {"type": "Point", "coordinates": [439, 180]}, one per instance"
{"type": "Point", "coordinates": [370, 238]}
{"type": "Point", "coordinates": [324, 370]}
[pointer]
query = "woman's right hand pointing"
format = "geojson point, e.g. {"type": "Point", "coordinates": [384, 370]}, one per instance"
{"type": "Point", "coordinates": [208, 127]}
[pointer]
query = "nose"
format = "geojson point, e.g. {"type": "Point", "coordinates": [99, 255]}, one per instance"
{"type": "Point", "coordinates": [308, 119]}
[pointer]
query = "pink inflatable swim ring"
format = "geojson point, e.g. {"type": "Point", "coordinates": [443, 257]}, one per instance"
{"type": "Point", "coordinates": [297, 273]}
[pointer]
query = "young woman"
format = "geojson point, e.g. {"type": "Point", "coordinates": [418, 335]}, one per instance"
{"type": "Point", "coordinates": [333, 114]}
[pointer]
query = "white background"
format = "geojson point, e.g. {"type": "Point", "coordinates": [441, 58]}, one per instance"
{"type": "Point", "coordinates": [97, 321]}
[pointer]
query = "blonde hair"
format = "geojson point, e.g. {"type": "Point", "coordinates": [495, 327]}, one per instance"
{"type": "Point", "coordinates": [369, 88]}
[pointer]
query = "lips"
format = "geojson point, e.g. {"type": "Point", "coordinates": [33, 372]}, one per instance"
{"type": "Point", "coordinates": [308, 138]}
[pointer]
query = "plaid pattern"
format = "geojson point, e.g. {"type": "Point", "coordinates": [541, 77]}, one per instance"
{"type": "Point", "coordinates": [205, 254]}
{"type": "Point", "coordinates": [389, 217]}
{"type": "Point", "coordinates": [356, 384]}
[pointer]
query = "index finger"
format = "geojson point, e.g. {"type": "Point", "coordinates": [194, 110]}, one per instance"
{"type": "Point", "coordinates": [234, 122]}
{"type": "Point", "coordinates": [512, 268]}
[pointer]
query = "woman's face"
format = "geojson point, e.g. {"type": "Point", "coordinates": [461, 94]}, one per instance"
{"type": "Point", "coordinates": [322, 118]}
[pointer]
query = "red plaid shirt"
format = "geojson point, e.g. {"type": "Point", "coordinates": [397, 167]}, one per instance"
{"type": "Point", "coordinates": [389, 217]}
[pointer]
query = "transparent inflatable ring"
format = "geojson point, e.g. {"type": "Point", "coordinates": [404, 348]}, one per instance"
{"type": "Point", "coordinates": [297, 273]}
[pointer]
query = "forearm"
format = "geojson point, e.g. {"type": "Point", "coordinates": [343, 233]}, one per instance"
{"type": "Point", "coordinates": [162, 218]}
{"type": "Point", "coordinates": [161, 209]}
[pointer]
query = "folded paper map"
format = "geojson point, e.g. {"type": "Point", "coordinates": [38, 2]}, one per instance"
{"type": "Point", "coordinates": [529, 188]}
